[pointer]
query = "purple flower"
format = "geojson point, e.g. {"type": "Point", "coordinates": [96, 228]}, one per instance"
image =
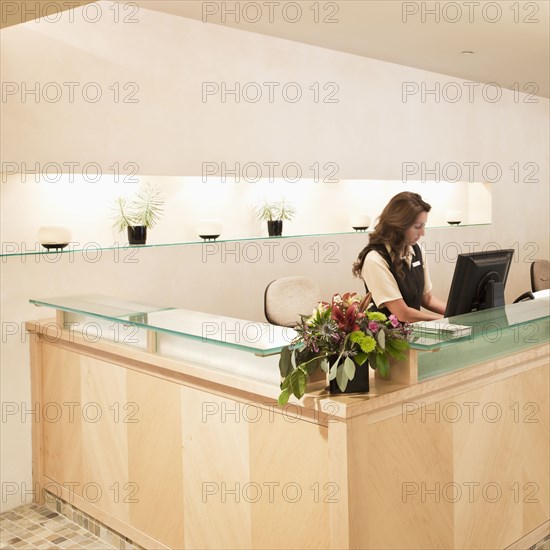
{"type": "Point", "coordinates": [373, 327]}
{"type": "Point", "coordinates": [393, 320]}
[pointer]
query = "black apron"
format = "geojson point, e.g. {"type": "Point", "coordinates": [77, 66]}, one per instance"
{"type": "Point", "coordinates": [411, 285]}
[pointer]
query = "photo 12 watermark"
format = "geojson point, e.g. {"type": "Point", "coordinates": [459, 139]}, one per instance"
{"type": "Point", "coordinates": [464, 91]}
{"type": "Point", "coordinates": [252, 252]}
{"type": "Point", "coordinates": [252, 412]}
{"type": "Point", "coordinates": [245, 333]}
{"type": "Point", "coordinates": [491, 332]}
{"type": "Point", "coordinates": [469, 171]}
{"type": "Point", "coordinates": [470, 411]}
{"type": "Point", "coordinates": [272, 492]}
{"type": "Point", "coordinates": [453, 12]}
{"type": "Point", "coordinates": [75, 251]}
{"type": "Point", "coordinates": [53, 11]}
{"type": "Point", "coordinates": [254, 171]}
{"type": "Point", "coordinates": [53, 412]}
{"type": "Point", "coordinates": [70, 171]}
{"type": "Point", "coordinates": [448, 251]}
{"type": "Point", "coordinates": [91, 332]}
{"type": "Point", "coordinates": [117, 492]}
{"type": "Point", "coordinates": [69, 92]}
{"type": "Point", "coordinates": [35, 252]}
{"type": "Point", "coordinates": [270, 92]}
{"type": "Point", "coordinates": [468, 491]}
{"type": "Point", "coordinates": [284, 11]}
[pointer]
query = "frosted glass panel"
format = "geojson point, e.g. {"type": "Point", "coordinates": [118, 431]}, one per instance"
{"type": "Point", "coordinates": [495, 333]}
{"type": "Point", "coordinates": [218, 330]}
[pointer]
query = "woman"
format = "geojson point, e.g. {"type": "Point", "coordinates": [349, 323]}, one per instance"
{"type": "Point", "coordinates": [392, 265]}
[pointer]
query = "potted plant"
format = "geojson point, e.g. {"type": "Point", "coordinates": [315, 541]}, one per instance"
{"type": "Point", "coordinates": [342, 338]}
{"type": "Point", "coordinates": [274, 213]}
{"type": "Point", "coordinates": [138, 214]}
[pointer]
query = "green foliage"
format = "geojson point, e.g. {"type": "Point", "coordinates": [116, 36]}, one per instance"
{"type": "Point", "coordinates": [341, 377]}
{"type": "Point", "coordinates": [285, 365]}
{"type": "Point", "coordinates": [366, 343]}
{"type": "Point", "coordinates": [349, 368]}
{"type": "Point", "coordinates": [145, 209]}
{"type": "Point", "coordinates": [122, 214]}
{"type": "Point", "coordinates": [376, 316]}
{"type": "Point", "coordinates": [382, 364]}
{"type": "Point", "coordinates": [294, 384]}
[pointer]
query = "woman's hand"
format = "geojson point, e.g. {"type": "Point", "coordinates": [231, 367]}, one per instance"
{"type": "Point", "coordinates": [408, 314]}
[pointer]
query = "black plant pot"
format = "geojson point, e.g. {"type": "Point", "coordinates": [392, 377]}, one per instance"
{"type": "Point", "coordinates": [359, 384]}
{"type": "Point", "coordinates": [275, 228]}
{"type": "Point", "coordinates": [137, 234]}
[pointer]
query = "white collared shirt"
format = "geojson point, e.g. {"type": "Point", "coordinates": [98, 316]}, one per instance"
{"type": "Point", "coordinates": [380, 280]}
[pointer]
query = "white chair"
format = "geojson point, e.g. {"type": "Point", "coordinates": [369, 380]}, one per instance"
{"type": "Point", "coordinates": [540, 280]}
{"type": "Point", "coordinates": [540, 275]}
{"type": "Point", "coordinates": [287, 298]}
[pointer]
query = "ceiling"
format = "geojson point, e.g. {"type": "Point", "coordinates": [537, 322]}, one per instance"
{"type": "Point", "coordinates": [506, 51]}
{"type": "Point", "coordinates": [510, 39]}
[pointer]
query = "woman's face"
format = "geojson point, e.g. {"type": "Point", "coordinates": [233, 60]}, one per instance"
{"type": "Point", "coordinates": [415, 231]}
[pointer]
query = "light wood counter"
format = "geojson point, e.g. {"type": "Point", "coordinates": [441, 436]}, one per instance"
{"type": "Point", "coordinates": [173, 454]}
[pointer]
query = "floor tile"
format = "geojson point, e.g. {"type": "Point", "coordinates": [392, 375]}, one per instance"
{"type": "Point", "coordinates": [38, 527]}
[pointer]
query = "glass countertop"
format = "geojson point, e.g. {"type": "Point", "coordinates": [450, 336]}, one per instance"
{"type": "Point", "coordinates": [267, 339]}
{"type": "Point", "coordinates": [259, 338]}
{"type": "Point", "coordinates": [486, 324]}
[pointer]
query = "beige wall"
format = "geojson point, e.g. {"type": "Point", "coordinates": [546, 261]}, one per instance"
{"type": "Point", "coordinates": [170, 131]}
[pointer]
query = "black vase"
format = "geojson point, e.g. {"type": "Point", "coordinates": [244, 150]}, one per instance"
{"type": "Point", "coordinates": [359, 384]}
{"type": "Point", "coordinates": [137, 234]}
{"type": "Point", "coordinates": [275, 228]}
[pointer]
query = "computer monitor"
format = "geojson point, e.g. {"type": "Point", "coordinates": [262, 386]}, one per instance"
{"type": "Point", "coordinates": [478, 281]}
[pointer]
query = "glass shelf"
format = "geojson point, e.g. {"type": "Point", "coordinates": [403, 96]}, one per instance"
{"type": "Point", "coordinates": [97, 247]}
{"type": "Point", "coordinates": [259, 338]}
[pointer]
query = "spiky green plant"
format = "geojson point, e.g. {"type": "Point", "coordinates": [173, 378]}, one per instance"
{"type": "Point", "coordinates": [148, 206]}
{"type": "Point", "coordinates": [145, 209]}
{"type": "Point", "coordinates": [122, 215]}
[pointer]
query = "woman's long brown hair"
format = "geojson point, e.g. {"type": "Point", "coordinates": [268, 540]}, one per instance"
{"type": "Point", "coordinates": [398, 215]}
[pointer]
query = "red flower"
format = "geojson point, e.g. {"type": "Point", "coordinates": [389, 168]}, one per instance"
{"type": "Point", "coordinates": [346, 317]}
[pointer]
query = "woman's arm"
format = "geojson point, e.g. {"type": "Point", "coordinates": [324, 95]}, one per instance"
{"type": "Point", "coordinates": [408, 314]}
{"type": "Point", "coordinates": [429, 301]}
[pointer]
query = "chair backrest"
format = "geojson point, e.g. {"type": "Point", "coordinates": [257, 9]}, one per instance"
{"type": "Point", "coordinates": [287, 298]}
{"type": "Point", "coordinates": [540, 275]}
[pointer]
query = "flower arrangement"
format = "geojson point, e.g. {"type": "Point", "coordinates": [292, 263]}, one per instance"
{"type": "Point", "coordinates": [339, 338]}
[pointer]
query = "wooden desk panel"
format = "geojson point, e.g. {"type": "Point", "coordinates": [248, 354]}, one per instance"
{"type": "Point", "coordinates": [185, 462]}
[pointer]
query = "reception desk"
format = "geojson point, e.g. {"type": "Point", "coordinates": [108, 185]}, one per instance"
{"type": "Point", "coordinates": [163, 424]}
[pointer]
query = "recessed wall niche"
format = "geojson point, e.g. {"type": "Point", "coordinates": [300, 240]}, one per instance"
{"type": "Point", "coordinates": [321, 207]}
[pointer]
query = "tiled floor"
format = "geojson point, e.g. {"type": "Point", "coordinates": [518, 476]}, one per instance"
{"type": "Point", "coordinates": [32, 526]}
